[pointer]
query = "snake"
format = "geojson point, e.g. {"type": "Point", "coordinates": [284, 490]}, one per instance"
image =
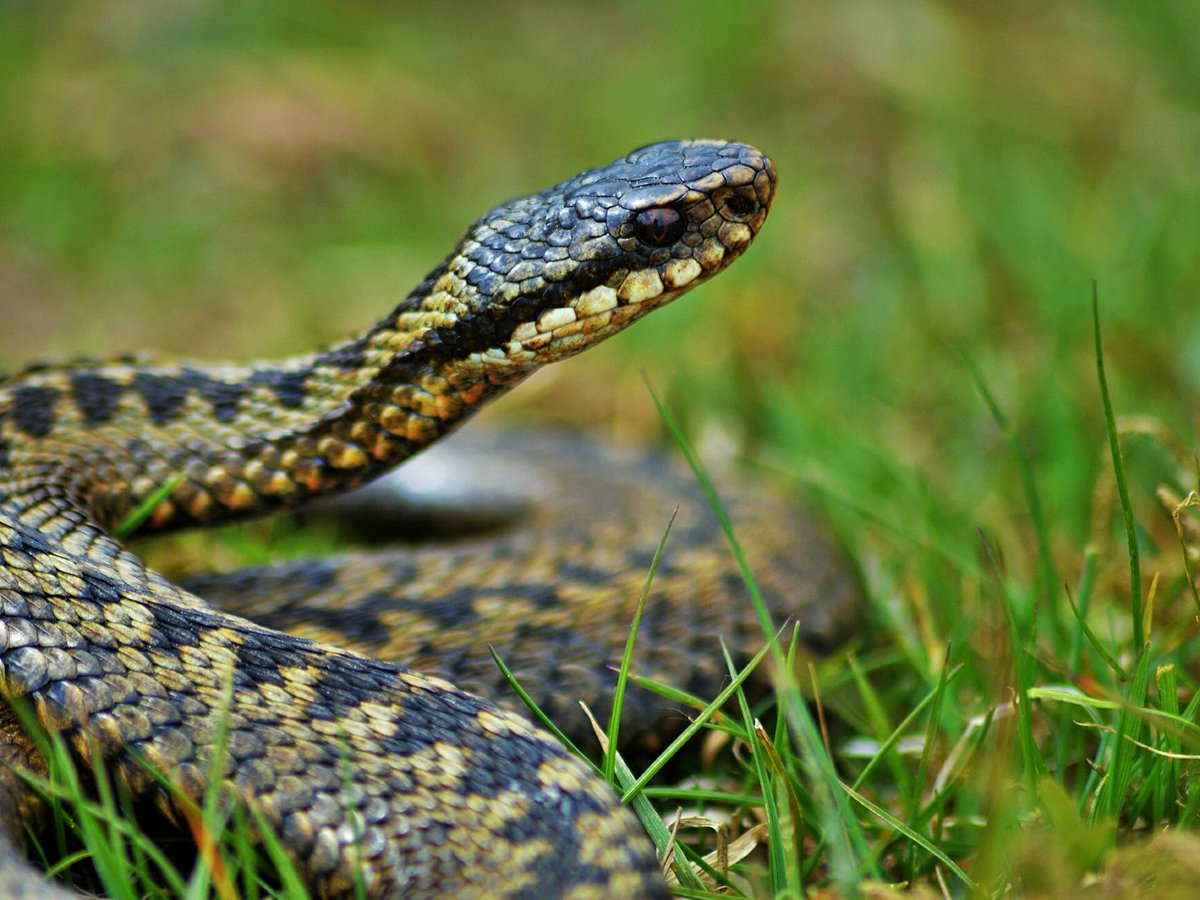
{"type": "Point", "coordinates": [376, 776]}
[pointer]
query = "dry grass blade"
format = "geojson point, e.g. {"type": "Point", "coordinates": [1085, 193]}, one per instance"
{"type": "Point", "coordinates": [728, 853]}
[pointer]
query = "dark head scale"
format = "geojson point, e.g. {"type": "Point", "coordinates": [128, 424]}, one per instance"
{"type": "Point", "coordinates": [592, 254]}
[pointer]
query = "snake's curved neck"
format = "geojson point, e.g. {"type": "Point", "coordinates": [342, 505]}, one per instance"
{"type": "Point", "coordinates": [280, 433]}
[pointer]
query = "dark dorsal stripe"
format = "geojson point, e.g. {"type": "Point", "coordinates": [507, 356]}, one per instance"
{"type": "Point", "coordinates": [95, 396]}
{"type": "Point", "coordinates": [224, 397]}
{"type": "Point", "coordinates": [289, 387]}
{"type": "Point", "coordinates": [164, 395]}
{"type": "Point", "coordinates": [34, 409]}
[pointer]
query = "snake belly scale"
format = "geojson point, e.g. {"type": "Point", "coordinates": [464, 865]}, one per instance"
{"type": "Point", "coordinates": [369, 772]}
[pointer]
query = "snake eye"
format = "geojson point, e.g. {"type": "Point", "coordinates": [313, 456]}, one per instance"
{"type": "Point", "coordinates": [658, 226]}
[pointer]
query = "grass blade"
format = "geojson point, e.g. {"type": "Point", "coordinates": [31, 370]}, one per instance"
{"type": "Point", "coordinates": [614, 719]}
{"type": "Point", "coordinates": [915, 813]}
{"type": "Point", "coordinates": [916, 837]}
{"type": "Point", "coordinates": [850, 847]}
{"type": "Point", "coordinates": [1118, 462]}
{"type": "Point", "coordinates": [1048, 580]}
{"type": "Point", "coordinates": [140, 513]}
{"type": "Point", "coordinates": [695, 725]}
{"type": "Point", "coordinates": [537, 712]}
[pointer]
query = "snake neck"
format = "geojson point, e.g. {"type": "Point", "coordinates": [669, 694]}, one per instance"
{"type": "Point", "coordinates": [237, 441]}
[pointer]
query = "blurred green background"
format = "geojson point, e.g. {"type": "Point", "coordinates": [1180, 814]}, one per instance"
{"type": "Point", "coordinates": [241, 180]}
{"type": "Point", "coordinates": [244, 180]}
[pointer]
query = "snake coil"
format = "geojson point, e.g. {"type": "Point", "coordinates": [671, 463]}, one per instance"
{"type": "Point", "coordinates": [368, 771]}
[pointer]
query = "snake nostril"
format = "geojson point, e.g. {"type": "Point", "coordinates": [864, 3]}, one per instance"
{"type": "Point", "coordinates": [737, 205]}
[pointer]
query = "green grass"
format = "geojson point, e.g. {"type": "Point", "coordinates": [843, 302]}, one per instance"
{"type": "Point", "coordinates": [97, 845]}
{"type": "Point", "coordinates": [911, 342]}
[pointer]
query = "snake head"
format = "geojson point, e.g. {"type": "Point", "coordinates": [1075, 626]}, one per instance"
{"type": "Point", "coordinates": [544, 276]}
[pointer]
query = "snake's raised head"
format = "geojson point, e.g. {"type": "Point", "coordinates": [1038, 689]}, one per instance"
{"type": "Point", "coordinates": [542, 277]}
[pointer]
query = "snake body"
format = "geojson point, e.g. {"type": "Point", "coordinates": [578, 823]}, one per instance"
{"type": "Point", "coordinates": [370, 772]}
{"type": "Point", "coordinates": [540, 546]}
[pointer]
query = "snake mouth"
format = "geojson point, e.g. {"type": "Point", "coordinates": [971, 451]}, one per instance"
{"type": "Point", "coordinates": [610, 306]}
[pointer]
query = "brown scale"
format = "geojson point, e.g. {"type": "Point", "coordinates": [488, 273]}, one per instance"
{"type": "Point", "coordinates": [366, 770]}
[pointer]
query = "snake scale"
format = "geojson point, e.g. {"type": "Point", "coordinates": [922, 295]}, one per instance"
{"type": "Point", "coordinates": [371, 772]}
